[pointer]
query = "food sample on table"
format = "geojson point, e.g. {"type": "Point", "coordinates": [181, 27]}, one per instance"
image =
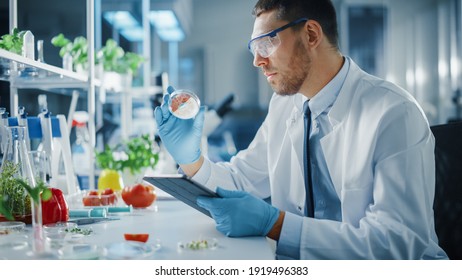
{"type": "Point", "coordinates": [140, 237]}
{"type": "Point", "coordinates": [93, 198]}
{"type": "Point", "coordinates": [200, 244]}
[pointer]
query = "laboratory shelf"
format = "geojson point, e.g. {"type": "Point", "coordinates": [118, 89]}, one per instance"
{"type": "Point", "coordinates": [135, 93]}
{"type": "Point", "coordinates": [35, 74]}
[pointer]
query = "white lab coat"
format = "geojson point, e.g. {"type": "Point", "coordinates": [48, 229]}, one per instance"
{"type": "Point", "coordinates": [380, 156]}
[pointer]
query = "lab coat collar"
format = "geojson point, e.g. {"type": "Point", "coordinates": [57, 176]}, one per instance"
{"type": "Point", "coordinates": [342, 104]}
{"type": "Point", "coordinates": [326, 97]}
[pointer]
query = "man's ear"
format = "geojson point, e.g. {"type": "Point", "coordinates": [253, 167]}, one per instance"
{"type": "Point", "coordinates": [313, 32]}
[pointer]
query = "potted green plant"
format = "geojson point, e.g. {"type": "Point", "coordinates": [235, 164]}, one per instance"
{"type": "Point", "coordinates": [129, 158]}
{"type": "Point", "coordinates": [12, 42]}
{"type": "Point", "coordinates": [119, 66]}
{"type": "Point", "coordinates": [77, 50]}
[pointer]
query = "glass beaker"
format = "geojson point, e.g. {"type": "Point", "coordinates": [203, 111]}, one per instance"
{"type": "Point", "coordinates": [40, 163]}
{"type": "Point", "coordinates": [16, 165]}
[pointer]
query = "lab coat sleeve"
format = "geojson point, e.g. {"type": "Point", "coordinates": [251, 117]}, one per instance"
{"type": "Point", "coordinates": [289, 240]}
{"type": "Point", "coordinates": [248, 170]}
{"type": "Point", "coordinates": [397, 223]}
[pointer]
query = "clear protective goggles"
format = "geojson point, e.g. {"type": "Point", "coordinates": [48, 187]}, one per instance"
{"type": "Point", "coordinates": [266, 44]}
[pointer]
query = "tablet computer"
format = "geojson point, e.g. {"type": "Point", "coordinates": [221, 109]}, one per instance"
{"type": "Point", "coordinates": [183, 188]}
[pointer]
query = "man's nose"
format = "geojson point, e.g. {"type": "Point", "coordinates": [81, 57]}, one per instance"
{"type": "Point", "coordinates": [259, 60]}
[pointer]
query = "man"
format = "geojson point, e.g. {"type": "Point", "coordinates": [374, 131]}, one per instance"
{"type": "Point", "coordinates": [361, 186]}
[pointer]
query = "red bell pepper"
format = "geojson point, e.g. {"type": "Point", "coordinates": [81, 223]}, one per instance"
{"type": "Point", "coordinates": [55, 209]}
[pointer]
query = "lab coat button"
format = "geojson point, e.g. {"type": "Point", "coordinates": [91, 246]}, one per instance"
{"type": "Point", "coordinates": [299, 208]}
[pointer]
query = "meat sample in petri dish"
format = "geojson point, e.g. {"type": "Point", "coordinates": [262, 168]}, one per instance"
{"type": "Point", "coordinates": [184, 104]}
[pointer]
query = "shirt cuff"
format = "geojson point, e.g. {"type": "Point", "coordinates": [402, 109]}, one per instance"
{"type": "Point", "coordinates": [203, 174]}
{"type": "Point", "coordinates": [289, 240]}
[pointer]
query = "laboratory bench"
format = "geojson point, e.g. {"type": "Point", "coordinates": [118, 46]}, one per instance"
{"type": "Point", "coordinates": [172, 227]}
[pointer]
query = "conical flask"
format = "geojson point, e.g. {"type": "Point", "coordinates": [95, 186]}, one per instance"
{"type": "Point", "coordinates": [17, 164]}
{"type": "Point", "coordinates": [16, 153]}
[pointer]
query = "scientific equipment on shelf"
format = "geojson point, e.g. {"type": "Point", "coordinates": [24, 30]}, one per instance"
{"type": "Point", "coordinates": [22, 121]}
{"type": "Point", "coordinates": [81, 149]}
{"type": "Point", "coordinates": [52, 135]}
{"type": "Point", "coordinates": [3, 131]}
{"type": "Point", "coordinates": [28, 51]}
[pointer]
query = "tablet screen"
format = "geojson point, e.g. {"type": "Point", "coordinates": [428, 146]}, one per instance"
{"type": "Point", "coordinates": [182, 188]}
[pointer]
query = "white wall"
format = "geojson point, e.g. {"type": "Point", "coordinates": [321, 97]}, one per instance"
{"type": "Point", "coordinates": [222, 28]}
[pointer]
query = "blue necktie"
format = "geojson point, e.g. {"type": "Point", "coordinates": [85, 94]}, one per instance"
{"type": "Point", "coordinates": [307, 161]}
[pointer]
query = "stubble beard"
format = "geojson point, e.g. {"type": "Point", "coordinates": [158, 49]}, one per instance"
{"type": "Point", "coordinates": [290, 83]}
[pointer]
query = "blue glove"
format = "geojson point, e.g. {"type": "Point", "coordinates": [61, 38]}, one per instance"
{"type": "Point", "coordinates": [181, 138]}
{"type": "Point", "coordinates": [239, 213]}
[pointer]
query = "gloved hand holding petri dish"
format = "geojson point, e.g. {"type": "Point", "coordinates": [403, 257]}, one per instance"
{"type": "Point", "coordinates": [183, 104]}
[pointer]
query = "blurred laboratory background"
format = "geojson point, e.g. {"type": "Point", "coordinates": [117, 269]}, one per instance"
{"type": "Point", "coordinates": [201, 45]}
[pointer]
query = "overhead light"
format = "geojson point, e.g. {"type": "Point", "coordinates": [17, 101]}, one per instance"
{"type": "Point", "coordinates": [171, 35]}
{"type": "Point", "coordinates": [126, 24]}
{"type": "Point", "coordinates": [167, 25]}
{"type": "Point", "coordinates": [133, 34]}
{"type": "Point", "coordinates": [121, 19]}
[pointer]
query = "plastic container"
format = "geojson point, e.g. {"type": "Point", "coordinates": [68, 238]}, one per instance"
{"type": "Point", "coordinates": [92, 199]}
{"type": "Point", "coordinates": [184, 104]}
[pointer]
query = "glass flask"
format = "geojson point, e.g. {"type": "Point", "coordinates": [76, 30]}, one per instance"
{"type": "Point", "coordinates": [16, 164]}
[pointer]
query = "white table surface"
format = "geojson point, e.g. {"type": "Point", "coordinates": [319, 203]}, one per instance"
{"type": "Point", "coordinates": [169, 221]}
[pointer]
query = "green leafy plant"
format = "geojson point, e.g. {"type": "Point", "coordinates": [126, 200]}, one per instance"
{"type": "Point", "coordinates": [13, 42]}
{"type": "Point", "coordinates": [114, 58]}
{"type": "Point", "coordinates": [15, 193]}
{"type": "Point", "coordinates": [78, 49]}
{"type": "Point", "coordinates": [134, 155]}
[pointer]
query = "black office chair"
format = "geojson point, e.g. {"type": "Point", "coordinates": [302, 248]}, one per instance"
{"type": "Point", "coordinates": [448, 193]}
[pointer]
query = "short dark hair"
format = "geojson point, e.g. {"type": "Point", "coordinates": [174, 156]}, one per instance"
{"type": "Point", "coordinates": [322, 11]}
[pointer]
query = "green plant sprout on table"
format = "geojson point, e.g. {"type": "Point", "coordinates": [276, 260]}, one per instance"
{"type": "Point", "coordinates": [13, 197]}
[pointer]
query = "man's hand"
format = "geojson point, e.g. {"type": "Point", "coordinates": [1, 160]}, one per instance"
{"type": "Point", "coordinates": [181, 138]}
{"type": "Point", "coordinates": [238, 213]}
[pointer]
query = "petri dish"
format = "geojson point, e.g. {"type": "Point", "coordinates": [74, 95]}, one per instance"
{"type": "Point", "coordinates": [58, 227]}
{"type": "Point", "coordinates": [184, 104]}
{"type": "Point", "coordinates": [130, 250]}
{"type": "Point", "coordinates": [11, 227]}
{"type": "Point", "coordinates": [198, 245]}
{"type": "Point", "coordinates": [80, 252]}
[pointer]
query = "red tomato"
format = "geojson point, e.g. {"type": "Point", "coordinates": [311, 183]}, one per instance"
{"type": "Point", "coordinates": [140, 237]}
{"type": "Point", "coordinates": [139, 195]}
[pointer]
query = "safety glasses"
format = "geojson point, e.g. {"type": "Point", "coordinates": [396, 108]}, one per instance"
{"type": "Point", "coordinates": [266, 44]}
